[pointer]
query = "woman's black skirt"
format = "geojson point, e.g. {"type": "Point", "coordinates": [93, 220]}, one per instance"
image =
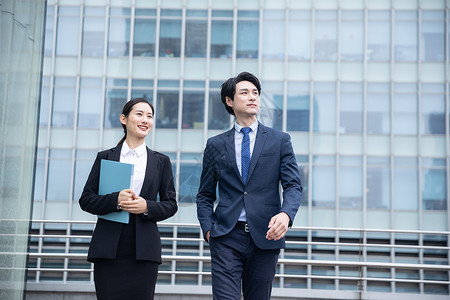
{"type": "Point", "coordinates": [125, 277]}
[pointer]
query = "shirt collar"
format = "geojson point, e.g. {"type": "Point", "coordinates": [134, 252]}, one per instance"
{"type": "Point", "coordinates": [140, 150]}
{"type": "Point", "coordinates": [254, 126]}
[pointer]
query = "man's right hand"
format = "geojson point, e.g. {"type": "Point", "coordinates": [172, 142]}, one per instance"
{"type": "Point", "coordinates": [207, 236]}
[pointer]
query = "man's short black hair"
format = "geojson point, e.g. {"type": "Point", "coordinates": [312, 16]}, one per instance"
{"type": "Point", "coordinates": [229, 87]}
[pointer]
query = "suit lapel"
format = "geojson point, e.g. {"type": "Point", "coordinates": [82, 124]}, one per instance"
{"type": "Point", "coordinates": [115, 153]}
{"type": "Point", "coordinates": [231, 151]}
{"type": "Point", "coordinates": [150, 171]}
{"type": "Point", "coordinates": [257, 149]}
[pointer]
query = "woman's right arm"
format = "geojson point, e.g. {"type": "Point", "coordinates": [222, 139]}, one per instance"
{"type": "Point", "coordinates": [90, 200]}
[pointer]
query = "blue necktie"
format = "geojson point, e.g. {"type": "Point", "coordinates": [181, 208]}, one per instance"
{"type": "Point", "coordinates": [245, 153]}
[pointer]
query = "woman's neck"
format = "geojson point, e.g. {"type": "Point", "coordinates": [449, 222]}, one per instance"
{"type": "Point", "coordinates": [134, 143]}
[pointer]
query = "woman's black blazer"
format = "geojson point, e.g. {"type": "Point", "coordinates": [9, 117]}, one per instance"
{"type": "Point", "coordinates": [158, 179]}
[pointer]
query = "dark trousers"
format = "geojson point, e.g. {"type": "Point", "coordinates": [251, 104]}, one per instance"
{"type": "Point", "coordinates": [235, 259]}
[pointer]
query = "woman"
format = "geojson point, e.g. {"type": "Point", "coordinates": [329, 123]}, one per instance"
{"type": "Point", "coordinates": [126, 256]}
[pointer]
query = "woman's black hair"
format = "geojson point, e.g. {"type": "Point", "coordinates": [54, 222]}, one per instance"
{"type": "Point", "coordinates": [229, 88]}
{"type": "Point", "coordinates": [127, 108]}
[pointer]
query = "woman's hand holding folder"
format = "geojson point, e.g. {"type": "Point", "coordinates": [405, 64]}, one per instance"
{"type": "Point", "coordinates": [131, 202]}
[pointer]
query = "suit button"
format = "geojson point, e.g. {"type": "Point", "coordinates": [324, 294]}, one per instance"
{"type": "Point", "coordinates": [245, 193]}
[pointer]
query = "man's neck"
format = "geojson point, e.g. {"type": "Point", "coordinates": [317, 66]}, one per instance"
{"type": "Point", "coordinates": [245, 121]}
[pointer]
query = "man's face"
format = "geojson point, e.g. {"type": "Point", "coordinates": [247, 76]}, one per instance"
{"type": "Point", "coordinates": [246, 100]}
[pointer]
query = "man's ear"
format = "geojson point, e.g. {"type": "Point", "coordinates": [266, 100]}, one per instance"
{"type": "Point", "coordinates": [229, 101]}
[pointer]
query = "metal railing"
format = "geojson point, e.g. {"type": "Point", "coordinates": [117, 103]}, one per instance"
{"type": "Point", "coordinates": [315, 258]}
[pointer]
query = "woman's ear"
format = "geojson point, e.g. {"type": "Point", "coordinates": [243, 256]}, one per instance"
{"type": "Point", "coordinates": [123, 119]}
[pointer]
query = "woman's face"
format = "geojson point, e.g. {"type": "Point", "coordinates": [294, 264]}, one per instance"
{"type": "Point", "coordinates": [139, 122]}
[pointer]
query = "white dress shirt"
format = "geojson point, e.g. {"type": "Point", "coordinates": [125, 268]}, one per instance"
{"type": "Point", "coordinates": [138, 158]}
{"type": "Point", "coordinates": [238, 136]}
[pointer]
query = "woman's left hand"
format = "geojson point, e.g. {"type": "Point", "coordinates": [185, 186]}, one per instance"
{"type": "Point", "coordinates": [136, 206]}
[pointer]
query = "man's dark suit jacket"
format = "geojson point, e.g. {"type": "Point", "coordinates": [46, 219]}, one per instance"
{"type": "Point", "coordinates": [158, 179]}
{"type": "Point", "coordinates": [273, 161]}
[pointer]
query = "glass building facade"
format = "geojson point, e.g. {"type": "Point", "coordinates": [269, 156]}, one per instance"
{"type": "Point", "coordinates": [362, 87]}
{"type": "Point", "coordinates": [22, 35]}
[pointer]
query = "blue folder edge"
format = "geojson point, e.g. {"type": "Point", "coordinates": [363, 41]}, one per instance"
{"type": "Point", "coordinates": [114, 177]}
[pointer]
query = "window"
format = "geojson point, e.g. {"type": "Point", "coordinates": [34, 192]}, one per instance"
{"type": "Point", "coordinates": [433, 36]}
{"type": "Point", "coordinates": [68, 31]}
{"type": "Point", "coordinates": [351, 108]}
{"type": "Point", "coordinates": [93, 31]}
{"type": "Point", "coordinates": [433, 109]}
{"type": "Point", "coordinates": [299, 35]}
{"type": "Point", "coordinates": [247, 43]}
{"type": "Point", "coordinates": [90, 104]}
{"type": "Point", "coordinates": [379, 36]}
{"type": "Point", "coordinates": [448, 39]}
{"type": "Point", "coordinates": [324, 118]}
{"type": "Point", "coordinates": [218, 115]}
{"type": "Point", "coordinates": [189, 180]}
{"type": "Point", "coordinates": [298, 106]}
{"type": "Point", "coordinates": [115, 99]}
{"type": "Point", "coordinates": [378, 108]}
{"type": "Point", "coordinates": [58, 187]}
{"type": "Point", "coordinates": [142, 88]}
{"type": "Point", "coordinates": [144, 32]}
{"type": "Point", "coordinates": [325, 39]}
{"type": "Point", "coordinates": [406, 184]}
{"type": "Point", "coordinates": [193, 105]}
{"type": "Point", "coordinates": [324, 170]}
{"type": "Point", "coordinates": [350, 182]}
{"type": "Point", "coordinates": [302, 161]}
{"type": "Point", "coordinates": [167, 104]}
{"type": "Point", "coordinates": [378, 183]}
{"type": "Point", "coordinates": [221, 37]}
{"type": "Point", "coordinates": [196, 33]}
{"type": "Point", "coordinates": [83, 165]}
{"type": "Point", "coordinates": [49, 29]}
{"type": "Point", "coordinates": [45, 101]}
{"type": "Point", "coordinates": [352, 36]}
{"type": "Point", "coordinates": [63, 112]}
{"type": "Point", "coordinates": [170, 33]}
{"type": "Point", "coordinates": [273, 33]}
{"type": "Point", "coordinates": [271, 104]}
{"type": "Point", "coordinates": [406, 36]}
{"type": "Point", "coordinates": [39, 178]}
{"type": "Point", "coordinates": [434, 184]}
{"type": "Point", "coordinates": [119, 32]}
{"type": "Point", "coordinates": [405, 109]}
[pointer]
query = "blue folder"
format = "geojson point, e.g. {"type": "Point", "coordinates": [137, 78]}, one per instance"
{"type": "Point", "coordinates": [114, 177]}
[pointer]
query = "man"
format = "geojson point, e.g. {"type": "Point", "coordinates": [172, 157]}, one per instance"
{"type": "Point", "coordinates": [246, 230]}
